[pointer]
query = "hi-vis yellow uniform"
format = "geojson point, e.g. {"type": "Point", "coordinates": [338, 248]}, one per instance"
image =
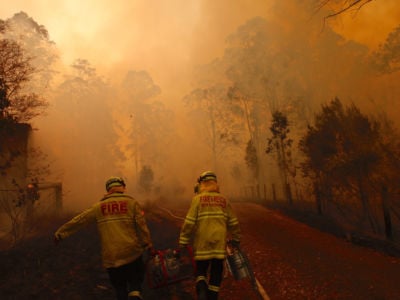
{"type": "Point", "coordinates": [209, 220]}
{"type": "Point", "coordinates": [122, 227]}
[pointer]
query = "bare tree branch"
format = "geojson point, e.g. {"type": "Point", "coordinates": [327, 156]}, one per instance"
{"type": "Point", "coordinates": [345, 6]}
{"type": "Point", "coordinates": [348, 5]}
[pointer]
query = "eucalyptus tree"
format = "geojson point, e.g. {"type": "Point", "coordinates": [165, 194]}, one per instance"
{"type": "Point", "coordinates": [280, 144]}
{"type": "Point", "coordinates": [20, 101]}
{"type": "Point", "coordinates": [212, 117]}
{"type": "Point", "coordinates": [346, 157]}
{"type": "Point", "coordinates": [387, 179]}
{"type": "Point", "coordinates": [27, 59]}
{"type": "Point", "coordinates": [146, 179]}
{"type": "Point", "coordinates": [17, 103]}
{"type": "Point", "coordinates": [149, 123]}
{"type": "Point", "coordinates": [386, 59]}
{"type": "Point", "coordinates": [36, 43]}
{"type": "Point", "coordinates": [269, 67]}
{"type": "Point", "coordinates": [261, 83]}
{"type": "Point", "coordinates": [83, 126]}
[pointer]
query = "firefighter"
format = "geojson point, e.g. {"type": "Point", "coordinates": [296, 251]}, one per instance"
{"type": "Point", "coordinates": [207, 224]}
{"type": "Point", "coordinates": [124, 237]}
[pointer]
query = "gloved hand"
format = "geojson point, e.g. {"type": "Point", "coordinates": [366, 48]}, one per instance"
{"type": "Point", "coordinates": [57, 240]}
{"type": "Point", "coordinates": [148, 254]}
{"type": "Point", "coordinates": [151, 251]}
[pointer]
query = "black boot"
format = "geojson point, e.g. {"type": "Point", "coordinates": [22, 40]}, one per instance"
{"type": "Point", "coordinates": [201, 290]}
{"type": "Point", "coordinates": [212, 295]}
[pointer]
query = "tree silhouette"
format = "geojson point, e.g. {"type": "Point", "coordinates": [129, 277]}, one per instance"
{"type": "Point", "coordinates": [280, 144]}
{"type": "Point", "coordinates": [212, 117]}
{"type": "Point", "coordinates": [146, 179]}
{"type": "Point", "coordinates": [16, 103]}
{"type": "Point", "coordinates": [82, 114]}
{"type": "Point", "coordinates": [34, 39]}
{"type": "Point", "coordinates": [345, 157]}
{"type": "Point", "coordinates": [252, 159]}
{"type": "Point", "coordinates": [147, 125]}
{"type": "Point", "coordinates": [387, 58]}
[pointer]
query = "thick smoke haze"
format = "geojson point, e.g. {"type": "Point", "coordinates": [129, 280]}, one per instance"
{"type": "Point", "coordinates": [168, 36]}
{"type": "Point", "coordinates": [163, 37]}
{"type": "Point", "coordinates": [93, 129]}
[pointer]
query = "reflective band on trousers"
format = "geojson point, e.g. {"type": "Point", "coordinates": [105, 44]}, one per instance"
{"type": "Point", "coordinates": [200, 278]}
{"type": "Point", "coordinates": [135, 293]}
{"type": "Point", "coordinates": [213, 288]}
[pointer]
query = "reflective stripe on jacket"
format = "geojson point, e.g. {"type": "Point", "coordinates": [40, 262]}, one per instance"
{"type": "Point", "coordinates": [124, 234]}
{"type": "Point", "coordinates": [209, 220]}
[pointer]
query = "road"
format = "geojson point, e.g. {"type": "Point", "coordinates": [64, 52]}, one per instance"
{"type": "Point", "coordinates": [290, 260]}
{"type": "Point", "coordinates": [295, 261]}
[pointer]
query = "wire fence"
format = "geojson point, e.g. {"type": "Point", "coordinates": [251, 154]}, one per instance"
{"type": "Point", "coordinates": [20, 213]}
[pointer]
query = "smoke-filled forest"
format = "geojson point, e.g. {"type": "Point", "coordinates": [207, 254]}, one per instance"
{"type": "Point", "coordinates": [285, 106]}
{"type": "Point", "coordinates": [290, 110]}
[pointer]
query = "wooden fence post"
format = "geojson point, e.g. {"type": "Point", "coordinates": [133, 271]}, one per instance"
{"type": "Point", "coordinates": [273, 193]}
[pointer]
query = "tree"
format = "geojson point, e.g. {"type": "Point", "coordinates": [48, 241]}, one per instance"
{"type": "Point", "coordinates": [267, 67]}
{"type": "Point", "coordinates": [26, 56]}
{"type": "Point", "coordinates": [16, 103]}
{"type": "Point", "coordinates": [82, 108]}
{"type": "Point", "coordinates": [34, 39]}
{"type": "Point", "coordinates": [146, 179]}
{"type": "Point", "coordinates": [213, 119]}
{"type": "Point", "coordinates": [24, 77]}
{"type": "Point", "coordinates": [343, 150]}
{"type": "Point", "coordinates": [146, 118]}
{"type": "Point", "coordinates": [252, 159]}
{"type": "Point", "coordinates": [387, 58]}
{"type": "Point", "coordinates": [387, 179]}
{"type": "Point", "coordinates": [341, 6]}
{"type": "Point", "coordinates": [280, 144]}
{"type": "Point", "coordinates": [254, 75]}
{"type": "Point", "coordinates": [146, 123]}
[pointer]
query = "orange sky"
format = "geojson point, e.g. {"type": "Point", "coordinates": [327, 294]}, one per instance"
{"type": "Point", "coordinates": [161, 35]}
{"type": "Point", "coordinates": [370, 24]}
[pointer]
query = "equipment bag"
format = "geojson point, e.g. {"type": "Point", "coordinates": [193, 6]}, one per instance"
{"type": "Point", "coordinates": [170, 266]}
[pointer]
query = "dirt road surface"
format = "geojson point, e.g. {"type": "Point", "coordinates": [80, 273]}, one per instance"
{"type": "Point", "coordinates": [290, 260]}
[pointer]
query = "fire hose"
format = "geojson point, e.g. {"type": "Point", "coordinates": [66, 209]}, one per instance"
{"type": "Point", "coordinates": [170, 213]}
{"type": "Point", "coordinates": [240, 267]}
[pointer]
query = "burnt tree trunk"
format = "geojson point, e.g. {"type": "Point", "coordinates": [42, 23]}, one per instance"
{"type": "Point", "coordinates": [318, 200]}
{"type": "Point", "coordinates": [365, 204]}
{"type": "Point", "coordinates": [386, 213]}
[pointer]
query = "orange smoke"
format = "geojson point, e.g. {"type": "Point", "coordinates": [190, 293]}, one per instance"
{"type": "Point", "coordinates": [371, 24]}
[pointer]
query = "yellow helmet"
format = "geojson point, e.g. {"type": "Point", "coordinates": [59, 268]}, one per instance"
{"type": "Point", "coordinates": [208, 175]}
{"type": "Point", "coordinates": [114, 181]}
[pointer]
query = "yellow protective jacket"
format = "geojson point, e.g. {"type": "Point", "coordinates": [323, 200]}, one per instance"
{"type": "Point", "coordinates": [124, 234]}
{"type": "Point", "coordinates": [208, 222]}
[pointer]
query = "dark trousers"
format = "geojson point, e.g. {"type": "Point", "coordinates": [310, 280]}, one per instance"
{"type": "Point", "coordinates": [127, 278]}
{"type": "Point", "coordinates": [215, 268]}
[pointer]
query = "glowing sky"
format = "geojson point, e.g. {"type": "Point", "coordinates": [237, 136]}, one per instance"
{"type": "Point", "coordinates": [153, 34]}
{"type": "Point", "coordinates": [165, 34]}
